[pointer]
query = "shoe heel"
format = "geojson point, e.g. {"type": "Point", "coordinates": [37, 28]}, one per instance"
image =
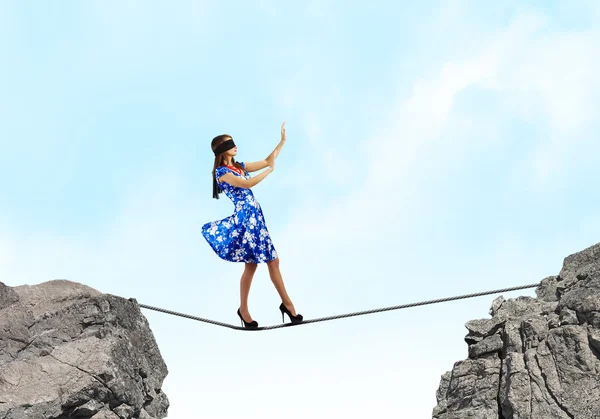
{"type": "Point", "coordinates": [294, 319]}
{"type": "Point", "coordinates": [283, 310]}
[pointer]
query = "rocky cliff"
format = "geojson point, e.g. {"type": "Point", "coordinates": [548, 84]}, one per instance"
{"type": "Point", "coordinates": [67, 351]}
{"type": "Point", "coordinates": [535, 358]}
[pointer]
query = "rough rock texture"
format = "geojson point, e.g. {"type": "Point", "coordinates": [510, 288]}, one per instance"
{"type": "Point", "coordinates": [535, 358]}
{"type": "Point", "coordinates": [68, 351]}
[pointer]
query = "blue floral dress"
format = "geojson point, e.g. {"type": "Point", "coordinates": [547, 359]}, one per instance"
{"type": "Point", "coordinates": [243, 236]}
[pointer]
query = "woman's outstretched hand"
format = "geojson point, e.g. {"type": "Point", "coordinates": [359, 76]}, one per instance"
{"type": "Point", "coordinates": [271, 158]}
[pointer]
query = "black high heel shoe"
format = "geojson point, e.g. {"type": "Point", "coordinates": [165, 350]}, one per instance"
{"type": "Point", "coordinates": [252, 325]}
{"type": "Point", "coordinates": [295, 319]}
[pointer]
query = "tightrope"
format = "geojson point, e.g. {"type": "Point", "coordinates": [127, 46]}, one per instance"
{"type": "Point", "coordinates": [338, 316]}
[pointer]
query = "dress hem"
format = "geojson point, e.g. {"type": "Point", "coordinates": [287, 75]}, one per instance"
{"type": "Point", "coordinates": [238, 261]}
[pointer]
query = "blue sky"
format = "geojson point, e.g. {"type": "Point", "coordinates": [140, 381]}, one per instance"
{"type": "Point", "coordinates": [433, 150]}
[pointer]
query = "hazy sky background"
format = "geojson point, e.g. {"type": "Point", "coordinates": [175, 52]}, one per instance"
{"type": "Point", "coordinates": [433, 150]}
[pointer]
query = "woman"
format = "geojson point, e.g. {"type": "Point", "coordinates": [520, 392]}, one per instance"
{"type": "Point", "coordinates": [243, 236]}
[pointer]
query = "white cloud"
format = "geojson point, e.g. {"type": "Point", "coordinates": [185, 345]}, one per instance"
{"type": "Point", "coordinates": [550, 78]}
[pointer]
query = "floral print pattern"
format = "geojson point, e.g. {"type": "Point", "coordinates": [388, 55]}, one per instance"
{"type": "Point", "coordinates": [242, 236]}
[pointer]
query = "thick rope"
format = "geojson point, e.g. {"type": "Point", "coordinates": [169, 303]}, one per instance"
{"type": "Point", "coordinates": [338, 316]}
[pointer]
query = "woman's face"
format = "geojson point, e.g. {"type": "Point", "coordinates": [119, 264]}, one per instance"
{"type": "Point", "coordinates": [232, 152]}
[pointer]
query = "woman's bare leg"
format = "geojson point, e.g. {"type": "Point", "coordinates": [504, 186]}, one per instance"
{"type": "Point", "coordinates": [277, 280]}
{"type": "Point", "coordinates": [245, 283]}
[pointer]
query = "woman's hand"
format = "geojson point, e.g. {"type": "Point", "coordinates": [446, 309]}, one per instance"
{"type": "Point", "coordinates": [275, 152]}
{"type": "Point", "coordinates": [271, 158]}
{"type": "Point", "coordinates": [283, 133]}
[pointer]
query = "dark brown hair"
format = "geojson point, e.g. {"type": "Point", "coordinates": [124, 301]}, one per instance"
{"type": "Point", "coordinates": [219, 161]}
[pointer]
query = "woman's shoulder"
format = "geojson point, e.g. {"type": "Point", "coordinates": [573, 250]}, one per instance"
{"type": "Point", "coordinates": [220, 171]}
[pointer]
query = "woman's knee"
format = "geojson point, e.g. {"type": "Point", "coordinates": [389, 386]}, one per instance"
{"type": "Point", "coordinates": [251, 267]}
{"type": "Point", "coordinates": [273, 263]}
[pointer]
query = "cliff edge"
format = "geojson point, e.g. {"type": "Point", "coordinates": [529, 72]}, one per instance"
{"type": "Point", "coordinates": [535, 358]}
{"type": "Point", "coordinates": [67, 350]}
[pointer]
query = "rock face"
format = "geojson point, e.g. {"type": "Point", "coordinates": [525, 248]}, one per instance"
{"type": "Point", "coordinates": [68, 351]}
{"type": "Point", "coordinates": [535, 358]}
